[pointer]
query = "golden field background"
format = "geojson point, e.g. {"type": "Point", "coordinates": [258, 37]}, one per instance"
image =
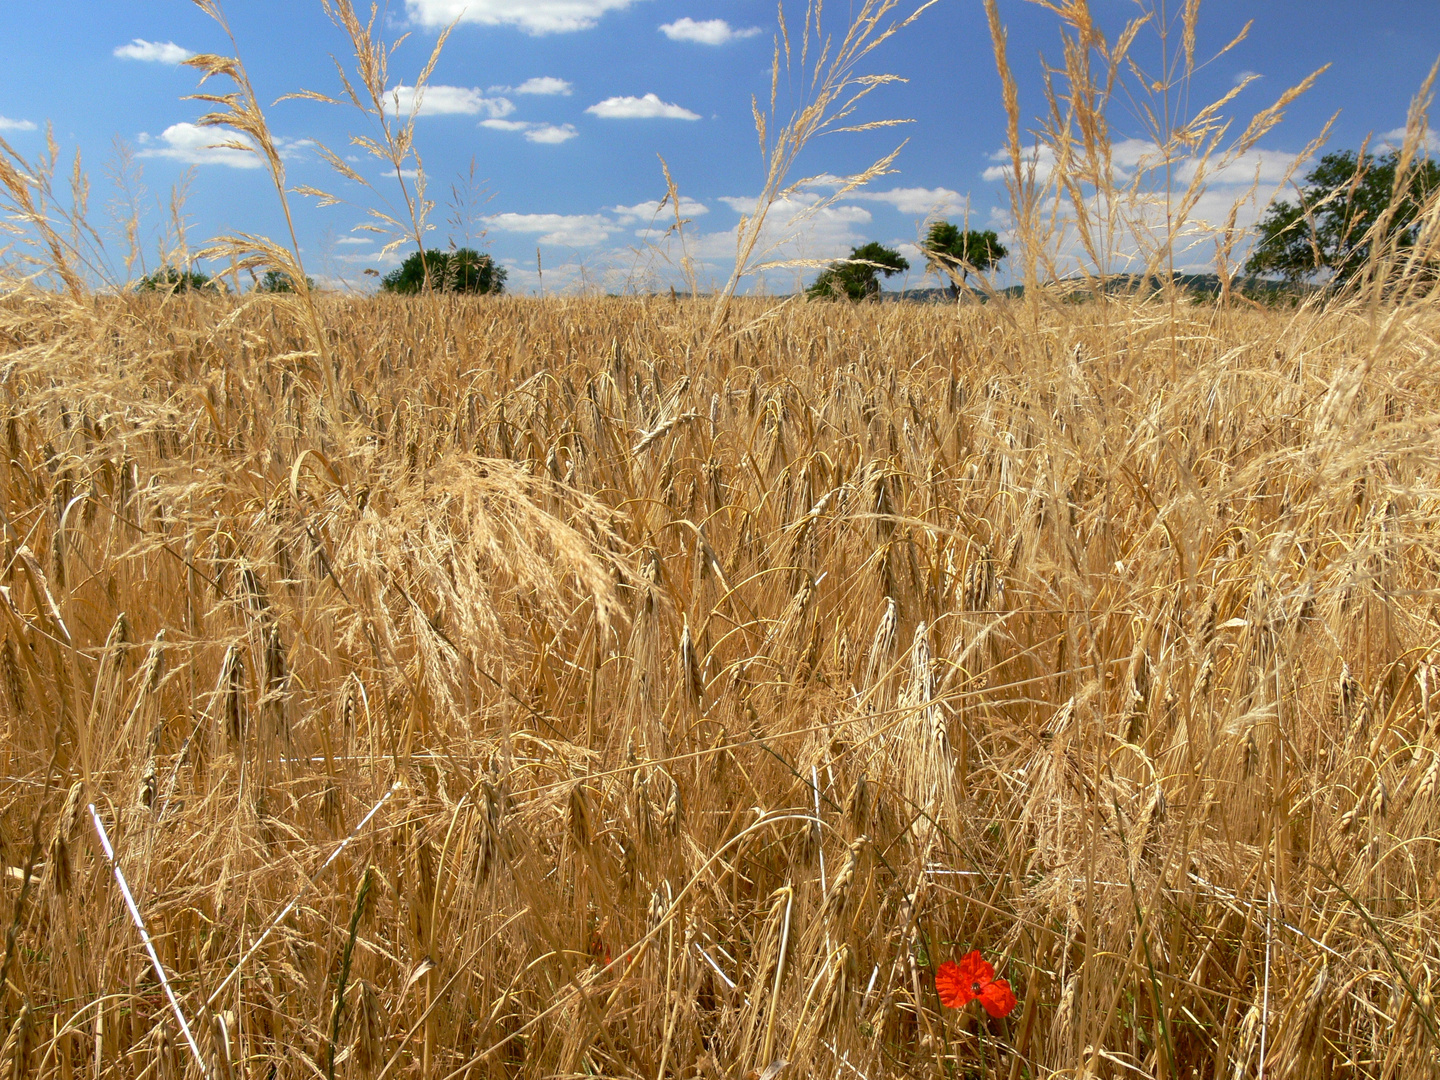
{"type": "Point", "coordinates": [712, 689]}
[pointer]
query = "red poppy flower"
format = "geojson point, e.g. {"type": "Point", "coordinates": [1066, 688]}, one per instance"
{"type": "Point", "coordinates": [599, 950]}
{"type": "Point", "coordinates": [973, 979]}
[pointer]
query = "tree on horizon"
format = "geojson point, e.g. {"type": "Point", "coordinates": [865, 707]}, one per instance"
{"type": "Point", "coordinates": [856, 278]}
{"type": "Point", "coordinates": [1332, 228]}
{"type": "Point", "coordinates": [949, 249]}
{"type": "Point", "coordinates": [173, 279]}
{"type": "Point", "coordinates": [464, 270]}
{"type": "Point", "coordinates": [277, 281]}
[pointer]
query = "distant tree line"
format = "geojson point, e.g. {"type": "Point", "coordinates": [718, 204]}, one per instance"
{"type": "Point", "coordinates": [1350, 208]}
{"type": "Point", "coordinates": [173, 279]}
{"type": "Point", "coordinates": [463, 270]}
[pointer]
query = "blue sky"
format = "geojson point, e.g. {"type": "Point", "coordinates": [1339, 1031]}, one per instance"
{"type": "Point", "coordinates": [566, 105]}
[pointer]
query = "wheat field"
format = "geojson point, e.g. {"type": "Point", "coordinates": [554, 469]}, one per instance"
{"type": "Point", "coordinates": [558, 688]}
{"type": "Point", "coordinates": [665, 688]}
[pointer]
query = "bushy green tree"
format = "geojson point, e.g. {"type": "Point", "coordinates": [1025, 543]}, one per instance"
{"type": "Point", "coordinates": [949, 248]}
{"type": "Point", "coordinates": [856, 278]}
{"type": "Point", "coordinates": [173, 279]}
{"type": "Point", "coordinates": [1329, 231]}
{"type": "Point", "coordinates": [277, 281]}
{"type": "Point", "coordinates": [464, 271]}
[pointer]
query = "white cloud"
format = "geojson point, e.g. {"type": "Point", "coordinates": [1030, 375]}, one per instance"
{"type": "Point", "coordinates": [1394, 140]}
{"type": "Point", "coordinates": [354, 240]}
{"type": "Point", "coordinates": [647, 212]}
{"type": "Point", "coordinates": [576, 274]}
{"type": "Point", "coordinates": [1044, 158]}
{"type": "Point", "coordinates": [589, 230]}
{"type": "Point", "coordinates": [532, 16]}
{"type": "Point", "coordinates": [450, 101]}
{"type": "Point", "coordinates": [154, 52]}
{"type": "Point", "coordinates": [706, 31]}
{"type": "Point", "coordinates": [6, 124]}
{"type": "Point", "coordinates": [551, 134]}
{"type": "Point", "coordinates": [568, 230]}
{"type": "Point", "coordinates": [1270, 167]}
{"type": "Point", "coordinates": [794, 229]}
{"type": "Point", "coordinates": [640, 108]}
{"type": "Point", "coordinates": [912, 254]}
{"type": "Point", "coordinates": [912, 200]}
{"type": "Point", "coordinates": [546, 85]}
{"type": "Point", "coordinates": [195, 145]}
{"type": "Point", "coordinates": [1124, 157]}
{"type": "Point", "coordinates": [916, 200]}
{"type": "Point", "coordinates": [1241, 76]}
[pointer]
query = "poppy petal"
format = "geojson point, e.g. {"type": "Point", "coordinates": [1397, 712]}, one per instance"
{"type": "Point", "coordinates": [974, 968]}
{"type": "Point", "coordinates": [998, 998]}
{"type": "Point", "coordinates": [954, 991]}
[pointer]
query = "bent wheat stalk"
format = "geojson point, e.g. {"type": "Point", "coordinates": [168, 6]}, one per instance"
{"type": "Point", "coordinates": [145, 937]}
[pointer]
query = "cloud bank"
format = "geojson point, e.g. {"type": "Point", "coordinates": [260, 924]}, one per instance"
{"type": "Point", "coordinates": [588, 230]}
{"type": "Point", "coordinates": [1244, 186]}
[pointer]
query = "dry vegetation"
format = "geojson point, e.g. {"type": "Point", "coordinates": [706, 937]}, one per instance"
{"type": "Point", "coordinates": [708, 700]}
{"type": "Point", "coordinates": [657, 688]}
